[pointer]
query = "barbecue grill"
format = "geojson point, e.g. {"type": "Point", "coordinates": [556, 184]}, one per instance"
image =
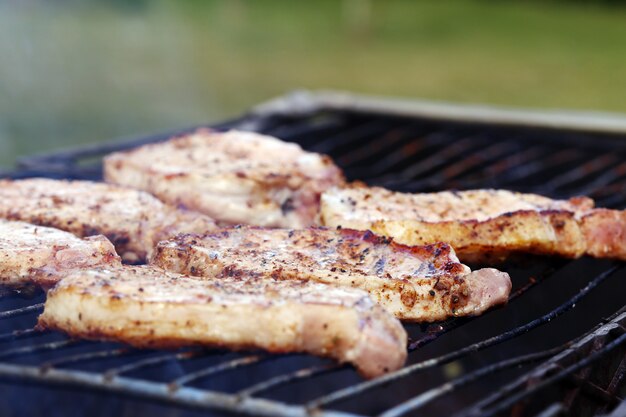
{"type": "Point", "coordinates": [558, 347]}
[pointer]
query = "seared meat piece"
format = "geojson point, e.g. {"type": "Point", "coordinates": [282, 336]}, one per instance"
{"type": "Point", "coordinates": [481, 224]}
{"type": "Point", "coordinates": [42, 255]}
{"type": "Point", "coordinates": [133, 220]}
{"type": "Point", "coordinates": [148, 307]}
{"type": "Point", "coordinates": [419, 283]}
{"type": "Point", "coordinates": [235, 177]}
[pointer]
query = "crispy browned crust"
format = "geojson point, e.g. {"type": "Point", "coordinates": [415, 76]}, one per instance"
{"type": "Point", "coordinates": [570, 228]}
{"type": "Point", "coordinates": [415, 283]}
{"type": "Point", "coordinates": [545, 233]}
{"type": "Point", "coordinates": [605, 233]}
{"type": "Point", "coordinates": [134, 221]}
{"type": "Point", "coordinates": [148, 307]}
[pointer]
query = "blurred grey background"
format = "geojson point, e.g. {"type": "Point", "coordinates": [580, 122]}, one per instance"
{"type": "Point", "coordinates": [76, 72]}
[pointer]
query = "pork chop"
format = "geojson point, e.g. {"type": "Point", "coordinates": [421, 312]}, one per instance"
{"type": "Point", "coordinates": [148, 307]}
{"type": "Point", "coordinates": [42, 255]}
{"type": "Point", "coordinates": [481, 224]}
{"type": "Point", "coordinates": [235, 177]}
{"type": "Point", "coordinates": [415, 283]}
{"type": "Point", "coordinates": [133, 220]}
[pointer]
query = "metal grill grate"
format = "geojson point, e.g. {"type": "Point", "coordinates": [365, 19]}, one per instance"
{"type": "Point", "coordinates": [559, 346]}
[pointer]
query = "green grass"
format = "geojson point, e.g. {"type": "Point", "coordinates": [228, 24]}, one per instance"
{"type": "Point", "coordinates": [73, 73]}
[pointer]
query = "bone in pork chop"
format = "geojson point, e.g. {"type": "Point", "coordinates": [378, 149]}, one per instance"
{"type": "Point", "coordinates": [148, 307]}
{"type": "Point", "coordinates": [418, 283]}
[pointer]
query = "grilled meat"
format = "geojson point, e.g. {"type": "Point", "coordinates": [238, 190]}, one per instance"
{"type": "Point", "coordinates": [42, 255]}
{"type": "Point", "coordinates": [235, 177]}
{"type": "Point", "coordinates": [148, 307]}
{"type": "Point", "coordinates": [133, 220]}
{"type": "Point", "coordinates": [481, 224]}
{"type": "Point", "coordinates": [419, 283]}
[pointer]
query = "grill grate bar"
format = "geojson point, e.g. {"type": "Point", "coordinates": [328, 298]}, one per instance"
{"type": "Point", "coordinates": [80, 357]}
{"type": "Point", "coordinates": [422, 167]}
{"type": "Point", "coordinates": [481, 158]}
{"type": "Point", "coordinates": [20, 311]}
{"type": "Point", "coordinates": [432, 394]}
{"type": "Point", "coordinates": [589, 387]}
{"type": "Point", "coordinates": [149, 362]}
{"type": "Point", "coordinates": [514, 399]}
{"type": "Point", "coordinates": [185, 396]}
{"type": "Point", "coordinates": [18, 334]}
{"type": "Point", "coordinates": [540, 372]}
{"type": "Point", "coordinates": [617, 378]}
{"type": "Point", "coordinates": [580, 173]}
{"type": "Point", "coordinates": [603, 180]}
{"type": "Point", "coordinates": [553, 410]}
{"type": "Point", "coordinates": [394, 141]}
{"type": "Point", "coordinates": [515, 164]}
{"type": "Point", "coordinates": [27, 350]}
{"type": "Point", "coordinates": [441, 329]}
{"type": "Point", "coordinates": [289, 377]}
{"type": "Point", "coordinates": [551, 160]}
{"type": "Point", "coordinates": [350, 136]}
{"type": "Point", "coordinates": [614, 200]}
{"type": "Point", "coordinates": [217, 369]}
{"type": "Point", "coordinates": [357, 389]}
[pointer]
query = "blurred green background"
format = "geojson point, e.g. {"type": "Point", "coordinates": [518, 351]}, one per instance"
{"type": "Point", "coordinates": [78, 72]}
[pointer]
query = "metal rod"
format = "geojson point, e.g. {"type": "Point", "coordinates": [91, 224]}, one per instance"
{"type": "Point", "coordinates": [392, 143]}
{"type": "Point", "coordinates": [144, 363]}
{"type": "Point", "coordinates": [216, 369]}
{"type": "Point", "coordinates": [18, 334]}
{"type": "Point", "coordinates": [86, 356]}
{"type": "Point", "coordinates": [602, 181]}
{"type": "Point", "coordinates": [438, 159]}
{"type": "Point", "coordinates": [354, 390]}
{"type": "Point", "coordinates": [443, 328]}
{"type": "Point", "coordinates": [25, 350]}
{"type": "Point", "coordinates": [515, 398]}
{"type": "Point", "coordinates": [155, 391]}
{"type": "Point", "coordinates": [580, 172]}
{"type": "Point", "coordinates": [552, 365]}
{"type": "Point", "coordinates": [434, 393]}
{"type": "Point", "coordinates": [552, 410]}
{"type": "Point", "coordinates": [20, 311]}
{"type": "Point", "coordinates": [290, 377]}
{"type": "Point", "coordinates": [551, 160]}
{"type": "Point", "coordinates": [351, 135]}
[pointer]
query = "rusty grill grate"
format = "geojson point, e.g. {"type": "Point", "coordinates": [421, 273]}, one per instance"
{"type": "Point", "coordinates": [558, 347]}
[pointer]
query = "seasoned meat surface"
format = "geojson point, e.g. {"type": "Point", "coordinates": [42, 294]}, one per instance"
{"type": "Point", "coordinates": [235, 177]}
{"type": "Point", "coordinates": [42, 255]}
{"type": "Point", "coordinates": [133, 220]}
{"type": "Point", "coordinates": [416, 283]}
{"type": "Point", "coordinates": [148, 307]}
{"type": "Point", "coordinates": [481, 224]}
